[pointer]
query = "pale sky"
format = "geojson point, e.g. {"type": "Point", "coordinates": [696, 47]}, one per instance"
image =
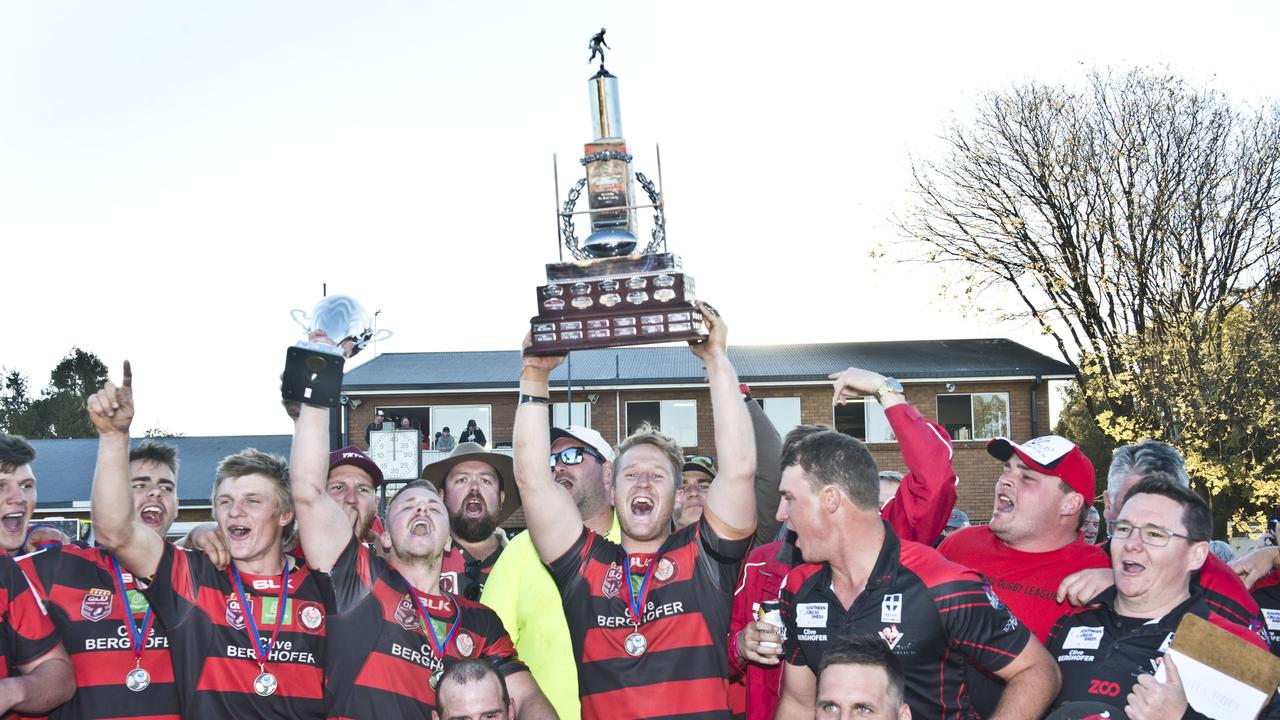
{"type": "Point", "coordinates": [176, 176]}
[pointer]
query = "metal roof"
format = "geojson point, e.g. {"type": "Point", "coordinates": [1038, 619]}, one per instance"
{"type": "Point", "coordinates": [669, 365]}
{"type": "Point", "coordinates": [64, 468]}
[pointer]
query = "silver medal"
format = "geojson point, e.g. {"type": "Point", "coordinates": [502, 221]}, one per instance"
{"type": "Point", "coordinates": [265, 684]}
{"type": "Point", "coordinates": [435, 679]}
{"type": "Point", "coordinates": [635, 644]}
{"type": "Point", "coordinates": [137, 680]}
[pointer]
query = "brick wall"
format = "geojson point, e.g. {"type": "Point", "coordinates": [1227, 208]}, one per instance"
{"type": "Point", "coordinates": [977, 470]}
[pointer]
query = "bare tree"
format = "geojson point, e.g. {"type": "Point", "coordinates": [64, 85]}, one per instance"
{"type": "Point", "coordinates": [1134, 218]}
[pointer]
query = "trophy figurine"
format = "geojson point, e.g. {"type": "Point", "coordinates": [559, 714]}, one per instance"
{"type": "Point", "coordinates": [610, 295]}
{"type": "Point", "coordinates": [337, 329]}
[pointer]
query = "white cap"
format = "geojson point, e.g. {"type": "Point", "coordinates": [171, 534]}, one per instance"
{"type": "Point", "coordinates": [586, 435]}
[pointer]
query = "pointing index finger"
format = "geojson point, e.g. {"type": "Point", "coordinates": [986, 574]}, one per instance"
{"type": "Point", "coordinates": [128, 375]}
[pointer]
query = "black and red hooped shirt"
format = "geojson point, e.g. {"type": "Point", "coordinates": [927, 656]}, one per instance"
{"type": "Point", "coordinates": [383, 658]}
{"type": "Point", "coordinates": [80, 589]}
{"type": "Point", "coordinates": [684, 668]}
{"type": "Point", "coordinates": [1102, 654]}
{"type": "Point", "coordinates": [26, 632]}
{"type": "Point", "coordinates": [214, 662]}
{"type": "Point", "coordinates": [931, 612]}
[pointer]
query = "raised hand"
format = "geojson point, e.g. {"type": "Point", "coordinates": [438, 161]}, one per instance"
{"type": "Point", "coordinates": [718, 340]}
{"type": "Point", "coordinates": [542, 363]}
{"type": "Point", "coordinates": [111, 408]}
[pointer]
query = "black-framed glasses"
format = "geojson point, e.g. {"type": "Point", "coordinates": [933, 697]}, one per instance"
{"type": "Point", "coordinates": [575, 455]}
{"type": "Point", "coordinates": [1152, 535]}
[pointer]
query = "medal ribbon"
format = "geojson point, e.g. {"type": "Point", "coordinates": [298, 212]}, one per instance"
{"type": "Point", "coordinates": [635, 605]}
{"type": "Point", "coordinates": [436, 645]}
{"type": "Point", "coordinates": [250, 626]}
{"type": "Point", "coordinates": [137, 633]}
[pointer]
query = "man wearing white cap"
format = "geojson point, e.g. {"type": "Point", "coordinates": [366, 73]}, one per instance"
{"type": "Point", "coordinates": [1042, 498]}
{"type": "Point", "coordinates": [521, 590]}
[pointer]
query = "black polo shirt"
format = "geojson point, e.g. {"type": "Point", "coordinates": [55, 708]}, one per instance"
{"type": "Point", "coordinates": [931, 612]}
{"type": "Point", "coordinates": [1102, 654]}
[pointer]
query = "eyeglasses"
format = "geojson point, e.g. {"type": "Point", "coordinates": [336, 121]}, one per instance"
{"type": "Point", "coordinates": [574, 456]}
{"type": "Point", "coordinates": [1148, 534]}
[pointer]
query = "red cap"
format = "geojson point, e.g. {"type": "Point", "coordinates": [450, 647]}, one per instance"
{"type": "Point", "coordinates": [352, 455]}
{"type": "Point", "coordinates": [1051, 455]}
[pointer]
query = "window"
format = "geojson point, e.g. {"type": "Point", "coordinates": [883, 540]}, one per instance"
{"type": "Point", "coordinates": [419, 417]}
{"type": "Point", "coordinates": [975, 416]}
{"type": "Point", "coordinates": [561, 417]}
{"type": "Point", "coordinates": [865, 420]}
{"type": "Point", "coordinates": [677, 418]}
{"type": "Point", "coordinates": [455, 418]}
{"type": "Point", "coordinates": [783, 412]}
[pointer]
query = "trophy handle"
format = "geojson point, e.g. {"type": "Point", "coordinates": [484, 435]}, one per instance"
{"type": "Point", "coordinates": [300, 317]}
{"type": "Point", "coordinates": [379, 336]}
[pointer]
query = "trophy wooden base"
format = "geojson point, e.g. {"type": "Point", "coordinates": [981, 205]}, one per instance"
{"type": "Point", "coordinates": [638, 300]}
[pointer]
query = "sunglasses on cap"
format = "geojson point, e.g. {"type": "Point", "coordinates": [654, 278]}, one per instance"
{"type": "Point", "coordinates": [703, 460]}
{"type": "Point", "coordinates": [574, 456]}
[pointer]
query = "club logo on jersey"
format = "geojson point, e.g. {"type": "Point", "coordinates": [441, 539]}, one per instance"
{"type": "Point", "coordinates": [891, 636]}
{"type": "Point", "coordinates": [992, 597]}
{"type": "Point", "coordinates": [449, 582]}
{"type": "Point", "coordinates": [235, 613]}
{"type": "Point", "coordinates": [612, 581]}
{"type": "Point", "coordinates": [310, 617]}
{"type": "Point", "coordinates": [96, 604]}
{"type": "Point", "coordinates": [465, 644]}
{"type": "Point", "coordinates": [666, 568]}
{"type": "Point", "coordinates": [891, 608]}
{"type": "Point", "coordinates": [406, 614]}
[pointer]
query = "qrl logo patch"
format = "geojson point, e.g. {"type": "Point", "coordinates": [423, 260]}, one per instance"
{"type": "Point", "coordinates": [96, 605]}
{"type": "Point", "coordinates": [235, 613]}
{"type": "Point", "coordinates": [612, 581]}
{"type": "Point", "coordinates": [406, 615]}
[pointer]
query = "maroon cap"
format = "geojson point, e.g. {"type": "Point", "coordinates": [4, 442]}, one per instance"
{"type": "Point", "coordinates": [1051, 455]}
{"type": "Point", "coordinates": [352, 455]}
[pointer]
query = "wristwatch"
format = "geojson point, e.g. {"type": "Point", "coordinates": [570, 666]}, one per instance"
{"type": "Point", "coordinates": [890, 385]}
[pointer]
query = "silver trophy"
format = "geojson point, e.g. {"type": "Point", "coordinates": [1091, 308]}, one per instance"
{"type": "Point", "coordinates": [341, 319]}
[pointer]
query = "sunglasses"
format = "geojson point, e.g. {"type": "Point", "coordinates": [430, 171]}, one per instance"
{"type": "Point", "coordinates": [574, 456]}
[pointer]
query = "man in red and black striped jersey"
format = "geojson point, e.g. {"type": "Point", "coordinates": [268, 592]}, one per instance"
{"type": "Point", "coordinates": [391, 626]}
{"type": "Point", "coordinates": [1130, 464]}
{"type": "Point", "coordinates": [90, 604]}
{"type": "Point", "coordinates": [245, 642]}
{"type": "Point", "coordinates": [1115, 653]}
{"type": "Point", "coordinates": [649, 617]}
{"type": "Point", "coordinates": [862, 580]}
{"type": "Point", "coordinates": [17, 492]}
{"type": "Point", "coordinates": [36, 675]}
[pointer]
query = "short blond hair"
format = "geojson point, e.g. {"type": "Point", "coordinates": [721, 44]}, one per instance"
{"type": "Point", "coordinates": [647, 434]}
{"type": "Point", "coordinates": [256, 462]}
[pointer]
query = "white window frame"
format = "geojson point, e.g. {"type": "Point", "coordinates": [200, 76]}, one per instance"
{"type": "Point", "coordinates": [973, 424]}
{"type": "Point", "coordinates": [581, 414]}
{"type": "Point", "coordinates": [868, 421]}
{"type": "Point", "coordinates": [662, 423]}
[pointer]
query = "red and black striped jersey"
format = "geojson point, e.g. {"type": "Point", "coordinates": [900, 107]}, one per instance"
{"type": "Point", "coordinates": [26, 632]}
{"type": "Point", "coordinates": [932, 613]}
{"type": "Point", "coordinates": [683, 669]}
{"type": "Point", "coordinates": [78, 586]}
{"type": "Point", "coordinates": [214, 663]}
{"type": "Point", "coordinates": [1102, 654]}
{"type": "Point", "coordinates": [384, 657]}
